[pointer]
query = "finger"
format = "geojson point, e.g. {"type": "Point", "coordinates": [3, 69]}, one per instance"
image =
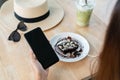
{"type": "Point", "coordinates": [47, 70]}
{"type": "Point", "coordinates": [32, 55]}
{"type": "Point", "coordinates": [39, 66]}
{"type": "Point", "coordinates": [31, 50]}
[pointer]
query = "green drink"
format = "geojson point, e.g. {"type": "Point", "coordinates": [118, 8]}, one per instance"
{"type": "Point", "coordinates": [84, 12]}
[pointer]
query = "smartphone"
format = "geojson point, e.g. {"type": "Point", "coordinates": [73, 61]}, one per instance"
{"type": "Point", "coordinates": [41, 47]}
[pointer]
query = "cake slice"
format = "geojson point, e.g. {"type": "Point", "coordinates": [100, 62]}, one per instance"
{"type": "Point", "coordinates": [68, 47]}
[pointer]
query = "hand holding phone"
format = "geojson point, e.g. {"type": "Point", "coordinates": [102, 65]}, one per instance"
{"type": "Point", "coordinates": [41, 47]}
{"type": "Point", "coordinates": [38, 71]}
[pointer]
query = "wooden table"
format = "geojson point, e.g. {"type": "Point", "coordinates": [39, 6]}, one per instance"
{"type": "Point", "coordinates": [14, 57]}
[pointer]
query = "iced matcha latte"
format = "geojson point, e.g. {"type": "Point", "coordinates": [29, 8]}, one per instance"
{"type": "Point", "coordinates": [84, 12]}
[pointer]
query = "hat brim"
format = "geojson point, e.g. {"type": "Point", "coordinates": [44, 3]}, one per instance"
{"type": "Point", "coordinates": [55, 17]}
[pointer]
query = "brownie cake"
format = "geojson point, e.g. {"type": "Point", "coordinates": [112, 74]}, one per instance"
{"type": "Point", "coordinates": [68, 47]}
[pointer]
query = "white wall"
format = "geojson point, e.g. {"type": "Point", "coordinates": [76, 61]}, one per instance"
{"type": "Point", "coordinates": [103, 9]}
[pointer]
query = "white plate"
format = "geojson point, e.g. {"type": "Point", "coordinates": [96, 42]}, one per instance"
{"type": "Point", "coordinates": [78, 37]}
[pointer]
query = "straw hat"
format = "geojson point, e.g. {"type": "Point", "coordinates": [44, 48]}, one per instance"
{"type": "Point", "coordinates": [55, 16]}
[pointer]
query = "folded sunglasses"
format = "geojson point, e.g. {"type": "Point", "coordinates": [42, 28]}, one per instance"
{"type": "Point", "coordinates": [15, 35]}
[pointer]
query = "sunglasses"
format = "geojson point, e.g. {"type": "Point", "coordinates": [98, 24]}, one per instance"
{"type": "Point", "coordinates": [15, 35]}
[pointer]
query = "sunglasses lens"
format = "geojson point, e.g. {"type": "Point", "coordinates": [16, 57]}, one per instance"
{"type": "Point", "coordinates": [14, 36]}
{"type": "Point", "coordinates": [21, 26]}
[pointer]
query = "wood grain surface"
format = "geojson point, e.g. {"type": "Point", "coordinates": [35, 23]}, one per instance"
{"type": "Point", "coordinates": [15, 63]}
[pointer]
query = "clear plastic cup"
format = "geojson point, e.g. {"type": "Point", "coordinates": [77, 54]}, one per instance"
{"type": "Point", "coordinates": [84, 11]}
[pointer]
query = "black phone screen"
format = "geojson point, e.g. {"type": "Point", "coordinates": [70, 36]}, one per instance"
{"type": "Point", "coordinates": [41, 47]}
